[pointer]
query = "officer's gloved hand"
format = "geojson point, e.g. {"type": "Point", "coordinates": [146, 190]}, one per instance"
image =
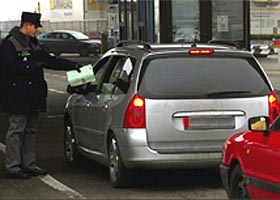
{"type": "Point", "coordinates": [77, 67]}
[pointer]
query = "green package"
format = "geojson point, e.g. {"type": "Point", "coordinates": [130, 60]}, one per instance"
{"type": "Point", "coordinates": [76, 78]}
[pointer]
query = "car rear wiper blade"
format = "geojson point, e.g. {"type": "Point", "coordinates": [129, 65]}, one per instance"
{"type": "Point", "coordinates": [227, 93]}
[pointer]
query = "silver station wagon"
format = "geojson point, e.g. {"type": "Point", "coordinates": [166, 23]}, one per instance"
{"type": "Point", "coordinates": [164, 106]}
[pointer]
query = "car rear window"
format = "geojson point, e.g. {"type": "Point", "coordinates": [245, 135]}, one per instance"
{"type": "Point", "coordinates": [202, 77]}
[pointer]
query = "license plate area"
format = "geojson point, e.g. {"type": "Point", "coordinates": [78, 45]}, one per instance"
{"type": "Point", "coordinates": [218, 120]}
{"type": "Point", "coordinates": [211, 122]}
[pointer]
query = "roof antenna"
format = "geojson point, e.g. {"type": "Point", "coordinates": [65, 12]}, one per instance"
{"type": "Point", "coordinates": [195, 39]}
{"type": "Point", "coordinates": [193, 45]}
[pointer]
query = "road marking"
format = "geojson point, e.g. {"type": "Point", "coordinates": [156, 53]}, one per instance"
{"type": "Point", "coordinates": [2, 147]}
{"type": "Point", "coordinates": [55, 116]}
{"type": "Point", "coordinates": [55, 184]}
{"type": "Point", "coordinates": [57, 91]}
{"type": "Point", "coordinates": [52, 182]}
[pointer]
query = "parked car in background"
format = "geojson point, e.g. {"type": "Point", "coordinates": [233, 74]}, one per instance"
{"type": "Point", "coordinates": [3, 34]}
{"type": "Point", "coordinates": [164, 106]}
{"type": "Point", "coordinates": [251, 161]}
{"type": "Point", "coordinates": [65, 41]}
{"type": "Point", "coordinates": [276, 44]}
{"type": "Point", "coordinates": [262, 46]}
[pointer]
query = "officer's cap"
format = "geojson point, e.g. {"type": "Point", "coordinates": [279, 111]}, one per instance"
{"type": "Point", "coordinates": [33, 18]}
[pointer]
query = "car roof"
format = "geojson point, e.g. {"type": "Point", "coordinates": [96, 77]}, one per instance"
{"type": "Point", "coordinates": [141, 48]}
{"type": "Point", "coordinates": [64, 31]}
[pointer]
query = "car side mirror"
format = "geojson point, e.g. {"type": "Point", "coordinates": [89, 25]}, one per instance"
{"type": "Point", "coordinates": [260, 123]}
{"type": "Point", "coordinates": [81, 89]}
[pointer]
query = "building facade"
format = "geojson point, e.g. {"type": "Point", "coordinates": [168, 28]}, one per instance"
{"type": "Point", "coordinates": [166, 21]}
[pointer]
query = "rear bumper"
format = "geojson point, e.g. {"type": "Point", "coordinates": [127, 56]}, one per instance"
{"type": "Point", "coordinates": [224, 172]}
{"type": "Point", "coordinates": [135, 153]}
{"type": "Point", "coordinates": [143, 157]}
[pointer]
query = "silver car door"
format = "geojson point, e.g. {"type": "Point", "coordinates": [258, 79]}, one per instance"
{"type": "Point", "coordinates": [79, 124]}
{"type": "Point", "coordinates": [100, 110]}
{"type": "Point", "coordinates": [82, 109]}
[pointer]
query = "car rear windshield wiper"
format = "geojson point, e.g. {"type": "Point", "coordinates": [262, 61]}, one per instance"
{"type": "Point", "coordinates": [227, 93]}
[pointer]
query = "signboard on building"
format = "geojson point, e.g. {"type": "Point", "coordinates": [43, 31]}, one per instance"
{"type": "Point", "coordinates": [265, 17]}
{"type": "Point", "coordinates": [61, 8]}
{"type": "Point", "coordinates": [222, 23]}
{"type": "Point", "coordinates": [97, 5]}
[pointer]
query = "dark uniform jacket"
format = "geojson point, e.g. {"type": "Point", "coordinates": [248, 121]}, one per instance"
{"type": "Point", "coordinates": [22, 85]}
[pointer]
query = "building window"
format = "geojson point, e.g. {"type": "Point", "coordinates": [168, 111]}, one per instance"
{"type": "Point", "coordinates": [135, 19]}
{"type": "Point", "coordinates": [185, 20]}
{"type": "Point", "coordinates": [227, 20]}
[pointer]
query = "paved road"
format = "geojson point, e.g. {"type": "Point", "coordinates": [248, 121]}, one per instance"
{"type": "Point", "coordinates": [91, 180]}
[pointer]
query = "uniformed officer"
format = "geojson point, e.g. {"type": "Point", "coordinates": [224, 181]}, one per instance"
{"type": "Point", "coordinates": [23, 93]}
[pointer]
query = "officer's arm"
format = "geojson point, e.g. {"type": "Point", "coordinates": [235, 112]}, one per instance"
{"type": "Point", "coordinates": [52, 62]}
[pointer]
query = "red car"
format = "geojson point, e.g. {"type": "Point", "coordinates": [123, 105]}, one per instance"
{"type": "Point", "coordinates": [250, 166]}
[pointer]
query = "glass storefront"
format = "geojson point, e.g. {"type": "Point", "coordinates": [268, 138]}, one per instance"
{"type": "Point", "coordinates": [122, 19]}
{"type": "Point", "coordinates": [157, 22]}
{"type": "Point", "coordinates": [166, 21]}
{"type": "Point", "coordinates": [129, 19]}
{"type": "Point", "coordinates": [134, 8]}
{"type": "Point", "coordinates": [265, 18]}
{"type": "Point", "coordinates": [185, 20]}
{"type": "Point", "coordinates": [227, 20]}
{"type": "Point", "coordinates": [133, 19]}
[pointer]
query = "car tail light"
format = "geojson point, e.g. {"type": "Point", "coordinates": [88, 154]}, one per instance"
{"type": "Point", "coordinates": [135, 113]}
{"type": "Point", "coordinates": [186, 122]}
{"type": "Point", "coordinates": [201, 51]}
{"type": "Point", "coordinates": [277, 42]}
{"type": "Point", "coordinates": [273, 106]}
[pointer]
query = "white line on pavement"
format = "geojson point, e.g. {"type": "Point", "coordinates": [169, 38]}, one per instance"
{"type": "Point", "coordinates": [55, 184]}
{"type": "Point", "coordinates": [2, 147]}
{"type": "Point", "coordinates": [55, 116]}
{"type": "Point", "coordinates": [57, 91]}
{"type": "Point", "coordinates": [52, 182]}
